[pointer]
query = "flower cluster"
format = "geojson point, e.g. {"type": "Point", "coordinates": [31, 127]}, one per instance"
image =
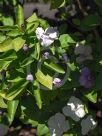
{"type": "Point", "coordinates": [48, 36]}
{"type": "Point", "coordinates": [74, 109]}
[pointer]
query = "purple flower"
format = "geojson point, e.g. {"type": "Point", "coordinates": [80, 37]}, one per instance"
{"type": "Point", "coordinates": [25, 47]}
{"type": "Point", "coordinates": [85, 78]}
{"type": "Point", "coordinates": [65, 57]}
{"type": "Point", "coordinates": [46, 55]}
{"type": "Point", "coordinates": [57, 82]}
{"type": "Point", "coordinates": [29, 77]}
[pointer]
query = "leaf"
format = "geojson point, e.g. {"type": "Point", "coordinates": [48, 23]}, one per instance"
{"type": "Point", "coordinates": [9, 44]}
{"type": "Point", "coordinates": [92, 96]}
{"type": "Point", "coordinates": [45, 80]}
{"type": "Point", "coordinates": [57, 4]}
{"type": "Point", "coordinates": [12, 107]}
{"type": "Point", "coordinates": [8, 28]}
{"type": "Point", "coordinates": [65, 39]}
{"type": "Point", "coordinates": [8, 21]}
{"type": "Point", "coordinates": [37, 95]}
{"type": "Point", "coordinates": [14, 91]}
{"type": "Point", "coordinates": [14, 33]}
{"type": "Point", "coordinates": [42, 129]}
{"type": "Point", "coordinates": [2, 103]}
{"type": "Point", "coordinates": [32, 18]}
{"type": "Point", "coordinates": [6, 58]}
{"type": "Point", "coordinates": [54, 66]}
{"type": "Point", "coordinates": [19, 15]}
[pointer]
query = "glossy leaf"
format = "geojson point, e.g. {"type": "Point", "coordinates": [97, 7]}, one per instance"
{"type": "Point", "coordinates": [45, 80]}
{"type": "Point", "coordinates": [9, 44]}
{"type": "Point", "coordinates": [92, 96]}
{"type": "Point", "coordinates": [2, 103]}
{"type": "Point", "coordinates": [12, 107]}
{"type": "Point", "coordinates": [54, 66]}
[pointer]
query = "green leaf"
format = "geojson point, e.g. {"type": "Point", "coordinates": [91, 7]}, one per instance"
{"type": "Point", "coordinates": [65, 39]}
{"type": "Point", "coordinates": [92, 20]}
{"type": "Point", "coordinates": [8, 28]}
{"type": "Point", "coordinates": [6, 58]}
{"type": "Point", "coordinates": [2, 103]}
{"type": "Point", "coordinates": [14, 91]}
{"type": "Point", "coordinates": [57, 4]}
{"type": "Point", "coordinates": [42, 129]}
{"type": "Point", "coordinates": [12, 107]}
{"type": "Point", "coordinates": [8, 21]}
{"type": "Point", "coordinates": [45, 80]}
{"type": "Point", "coordinates": [19, 15]}
{"type": "Point", "coordinates": [37, 95]}
{"type": "Point", "coordinates": [32, 18]}
{"type": "Point", "coordinates": [54, 67]}
{"type": "Point", "coordinates": [9, 44]}
{"type": "Point", "coordinates": [92, 96]}
{"type": "Point", "coordinates": [14, 33]}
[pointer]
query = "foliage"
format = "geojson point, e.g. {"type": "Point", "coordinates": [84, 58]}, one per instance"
{"type": "Point", "coordinates": [35, 101]}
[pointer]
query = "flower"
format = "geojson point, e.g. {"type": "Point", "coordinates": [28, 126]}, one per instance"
{"type": "Point", "coordinates": [48, 36]}
{"type": "Point", "coordinates": [85, 78]}
{"type": "Point", "coordinates": [57, 81]}
{"type": "Point", "coordinates": [39, 32]}
{"type": "Point", "coordinates": [84, 52]}
{"type": "Point", "coordinates": [58, 125]}
{"type": "Point", "coordinates": [88, 124]}
{"type": "Point", "coordinates": [46, 55]}
{"type": "Point", "coordinates": [74, 109]}
{"type": "Point", "coordinates": [3, 129]}
{"type": "Point", "coordinates": [25, 47]}
{"type": "Point", "coordinates": [29, 77]}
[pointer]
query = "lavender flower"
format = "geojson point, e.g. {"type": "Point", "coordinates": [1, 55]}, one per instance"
{"type": "Point", "coordinates": [57, 82]}
{"type": "Point", "coordinates": [25, 47]}
{"type": "Point", "coordinates": [65, 57]}
{"type": "Point", "coordinates": [29, 77]}
{"type": "Point", "coordinates": [85, 78]}
{"type": "Point", "coordinates": [46, 55]}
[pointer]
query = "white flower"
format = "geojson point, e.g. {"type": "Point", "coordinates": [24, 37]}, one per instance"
{"type": "Point", "coordinates": [58, 125]}
{"type": "Point", "coordinates": [3, 129]}
{"type": "Point", "coordinates": [74, 109]}
{"type": "Point", "coordinates": [39, 32]}
{"type": "Point", "coordinates": [48, 36]}
{"type": "Point", "coordinates": [84, 52]}
{"type": "Point", "coordinates": [88, 124]}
